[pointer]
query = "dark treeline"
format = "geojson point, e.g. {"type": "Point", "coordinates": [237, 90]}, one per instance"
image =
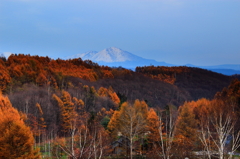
{"type": "Point", "coordinates": [196, 81]}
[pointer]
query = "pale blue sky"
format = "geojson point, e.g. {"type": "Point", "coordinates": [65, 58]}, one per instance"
{"type": "Point", "coordinates": [200, 32]}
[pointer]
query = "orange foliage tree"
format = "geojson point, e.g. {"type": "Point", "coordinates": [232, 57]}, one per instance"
{"type": "Point", "coordinates": [16, 139]}
{"type": "Point", "coordinates": [5, 78]}
{"type": "Point", "coordinates": [104, 92]}
{"type": "Point", "coordinates": [130, 122]}
{"type": "Point", "coordinates": [186, 129]}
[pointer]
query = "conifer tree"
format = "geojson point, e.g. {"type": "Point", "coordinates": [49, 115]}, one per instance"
{"type": "Point", "coordinates": [186, 130]}
{"type": "Point", "coordinates": [69, 115]}
{"type": "Point", "coordinates": [16, 139]}
{"type": "Point", "coordinates": [153, 123]}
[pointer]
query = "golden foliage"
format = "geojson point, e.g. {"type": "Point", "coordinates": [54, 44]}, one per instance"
{"type": "Point", "coordinates": [5, 78]}
{"type": "Point", "coordinates": [130, 120]}
{"type": "Point", "coordinates": [16, 139]}
{"type": "Point", "coordinates": [153, 124]}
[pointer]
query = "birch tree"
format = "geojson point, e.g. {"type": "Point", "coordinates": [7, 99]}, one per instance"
{"type": "Point", "coordinates": [223, 120]}
{"type": "Point", "coordinates": [166, 131]}
{"type": "Point", "coordinates": [218, 127]}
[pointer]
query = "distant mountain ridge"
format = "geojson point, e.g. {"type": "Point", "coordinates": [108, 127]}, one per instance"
{"type": "Point", "coordinates": [115, 57]}
{"type": "Point", "coordinates": [228, 72]}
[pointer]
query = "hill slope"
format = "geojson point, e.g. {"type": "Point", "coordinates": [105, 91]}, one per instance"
{"type": "Point", "coordinates": [157, 85]}
{"type": "Point", "coordinates": [197, 82]}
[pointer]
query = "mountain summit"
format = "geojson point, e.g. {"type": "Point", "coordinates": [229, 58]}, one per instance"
{"type": "Point", "coordinates": [111, 54]}
{"type": "Point", "coordinates": [115, 57]}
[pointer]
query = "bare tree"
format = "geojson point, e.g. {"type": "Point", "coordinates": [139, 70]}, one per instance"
{"type": "Point", "coordinates": [205, 136]}
{"type": "Point", "coordinates": [167, 132]}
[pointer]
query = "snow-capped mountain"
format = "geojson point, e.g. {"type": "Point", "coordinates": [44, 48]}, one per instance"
{"type": "Point", "coordinates": [5, 54]}
{"type": "Point", "coordinates": [117, 57]}
{"type": "Point", "coordinates": [111, 54]}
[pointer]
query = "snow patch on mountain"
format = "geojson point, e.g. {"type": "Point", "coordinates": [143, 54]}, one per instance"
{"type": "Point", "coordinates": [111, 54]}
{"type": "Point", "coordinates": [85, 56]}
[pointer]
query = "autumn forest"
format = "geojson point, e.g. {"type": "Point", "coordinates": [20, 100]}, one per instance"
{"type": "Point", "coordinates": [76, 109]}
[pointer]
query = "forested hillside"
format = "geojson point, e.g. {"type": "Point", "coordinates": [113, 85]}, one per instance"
{"type": "Point", "coordinates": [158, 86]}
{"type": "Point", "coordinates": [79, 109]}
{"type": "Point", "coordinates": [197, 82]}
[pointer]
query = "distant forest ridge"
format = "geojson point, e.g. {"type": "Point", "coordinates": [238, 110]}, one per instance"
{"type": "Point", "coordinates": [158, 85]}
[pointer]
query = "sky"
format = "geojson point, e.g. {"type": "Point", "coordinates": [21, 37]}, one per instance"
{"type": "Point", "coordinates": [198, 32]}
